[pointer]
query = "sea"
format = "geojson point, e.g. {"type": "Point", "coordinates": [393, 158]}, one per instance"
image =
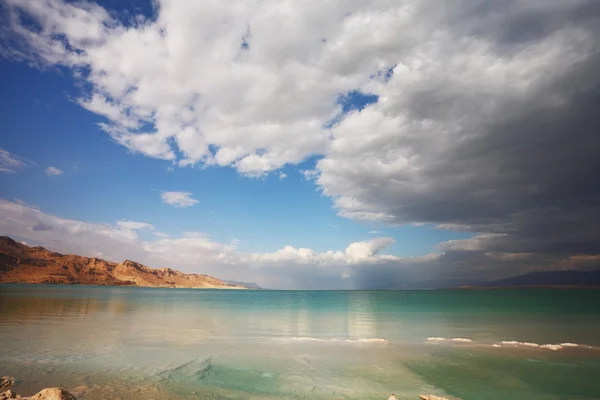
{"type": "Point", "coordinates": [153, 343]}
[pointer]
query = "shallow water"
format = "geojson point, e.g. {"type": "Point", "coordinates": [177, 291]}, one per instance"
{"type": "Point", "coordinates": [137, 343]}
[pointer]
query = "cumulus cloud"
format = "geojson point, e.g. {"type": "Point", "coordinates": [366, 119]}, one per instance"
{"type": "Point", "coordinates": [355, 253]}
{"type": "Point", "coordinates": [53, 171]}
{"type": "Point", "coordinates": [481, 116]}
{"type": "Point", "coordinates": [366, 250]}
{"type": "Point", "coordinates": [186, 74]}
{"type": "Point", "coordinates": [10, 163]}
{"type": "Point", "coordinates": [178, 199]}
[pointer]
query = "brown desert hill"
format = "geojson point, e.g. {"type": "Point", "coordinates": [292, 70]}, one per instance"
{"type": "Point", "coordinates": [20, 263]}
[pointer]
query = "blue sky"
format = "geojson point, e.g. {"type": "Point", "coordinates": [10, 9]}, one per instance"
{"type": "Point", "coordinates": [362, 145]}
{"type": "Point", "coordinates": [104, 182]}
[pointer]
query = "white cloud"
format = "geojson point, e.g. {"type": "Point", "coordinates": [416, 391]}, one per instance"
{"type": "Point", "coordinates": [132, 225]}
{"type": "Point", "coordinates": [53, 171]}
{"type": "Point", "coordinates": [370, 249]}
{"type": "Point", "coordinates": [355, 253]}
{"type": "Point", "coordinates": [10, 162]}
{"type": "Point", "coordinates": [282, 175]}
{"type": "Point", "coordinates": [260, 109]}
{"type": "Point", "coordinates": [178, 199]}
{"type": "Point", "coordinates": [309, 174]}
{"type": "Point", "coordinates": [374, 232]}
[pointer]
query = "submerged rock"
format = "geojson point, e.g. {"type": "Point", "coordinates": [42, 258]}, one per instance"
{"type": "Point", "coordinates": [431, 397]}
{"type": "Point", "coordinates": [6, 381]}
{"type": "Point", "coordinates": [52, 394]}
{"type": "Point", "coordinates": [80, 390]}
{"type": "Point", "coordinates": [197, 368]}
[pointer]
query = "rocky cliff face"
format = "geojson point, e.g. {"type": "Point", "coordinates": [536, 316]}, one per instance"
{"type": "Point", "coordinates": [23, 264]}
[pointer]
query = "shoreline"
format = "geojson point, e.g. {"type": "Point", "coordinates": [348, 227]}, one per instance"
{"type": "Point", "coordinates": [121, 286]}
{"type": "Point", "coordinates": [471, 288]}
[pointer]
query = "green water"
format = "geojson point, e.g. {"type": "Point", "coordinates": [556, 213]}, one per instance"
{"type": "Point", "coordinates": [134, 343]}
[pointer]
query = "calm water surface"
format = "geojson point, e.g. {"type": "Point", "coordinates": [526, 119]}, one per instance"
{"type": "Point", "coordinates": [135, 343]}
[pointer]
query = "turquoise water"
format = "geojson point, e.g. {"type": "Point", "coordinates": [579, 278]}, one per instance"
{"type": "Point", "coordinates": [136, 343]}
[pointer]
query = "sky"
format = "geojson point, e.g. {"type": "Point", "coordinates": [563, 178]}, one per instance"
{"type": "Point", "coordinates": [322, 145]}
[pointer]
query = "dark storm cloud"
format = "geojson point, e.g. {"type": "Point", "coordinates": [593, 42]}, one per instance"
{"type": "Point", "coordinates": [531, 174]}
{"type": "Point", "coordinates": [516, 22]}
{"type": "Point", "coordinates": [520, 165]}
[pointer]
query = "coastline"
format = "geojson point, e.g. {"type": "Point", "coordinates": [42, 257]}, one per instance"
{"type": "Point", "coordinates": [99, 285]}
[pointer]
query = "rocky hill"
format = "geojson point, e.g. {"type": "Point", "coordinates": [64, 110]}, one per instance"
{"type": "Point", "coordinates": [23, 264]}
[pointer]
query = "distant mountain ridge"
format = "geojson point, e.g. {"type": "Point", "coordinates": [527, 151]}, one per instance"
{"type": "Point", "coordinates": [20, 263]}
{"type": "Point", "coordinates": [249, 285]}
{"type": "Point", "coordinates": [551, 278]}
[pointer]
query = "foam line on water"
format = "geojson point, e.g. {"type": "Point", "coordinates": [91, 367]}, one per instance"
{"type": "Point", "coordinates": [513, 343]}
{"type": "Point", "coordinates": [549, 346]}
{"type": "Point", "coordinates": [441, 339]}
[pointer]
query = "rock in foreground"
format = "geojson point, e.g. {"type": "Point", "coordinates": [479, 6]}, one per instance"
{"type": "Point", "coordinates": [52, 394]}
{"type": "Point", "coordinates": [8, 395]}
{"type": "Point", "coordinates": [6, 381]}
{"type": "Point", "coordinates": [44, 394]}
